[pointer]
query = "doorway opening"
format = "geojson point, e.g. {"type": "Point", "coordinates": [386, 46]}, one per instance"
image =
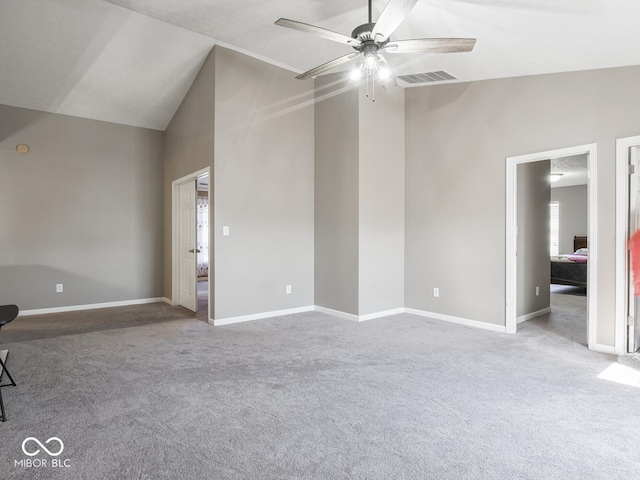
{"type": "Point", "coordinates": [627, 327]}
{"type": "Point", "coordinates": [191, 236]}
{"type": "Point", "coordinates": [568, 215]}
{"type": "Point", "coordinates": [202, 241]}
{"type": "Point", "coordinates": [515, 276]}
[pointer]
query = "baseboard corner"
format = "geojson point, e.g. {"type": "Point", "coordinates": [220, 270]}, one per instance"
{"type": "Point", "coordinates": [337, 313]}
{"type": "Point", "coordinates": [532, 315]}
{"type": "Point", "coordinates": [459, 320]}
{"type": "Point", "coordinates": [259, 316]}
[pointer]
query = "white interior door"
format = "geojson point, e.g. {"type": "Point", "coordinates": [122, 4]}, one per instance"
{"type": "Point", "coordinates": [188, 291]}
{"type": "Point", "coordinates": [633, 323]}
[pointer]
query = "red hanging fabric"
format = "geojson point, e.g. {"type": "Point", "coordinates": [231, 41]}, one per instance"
{"type": "Point", "coordinates": [634, 247]}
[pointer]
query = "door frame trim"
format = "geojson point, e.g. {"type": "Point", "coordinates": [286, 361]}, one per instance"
{"type": "Point", "coordinates": [175, 252]}
{"type": "Point", "coordinates": [622, 215]}
{"type": "Point", "coordinates": [511, 235]}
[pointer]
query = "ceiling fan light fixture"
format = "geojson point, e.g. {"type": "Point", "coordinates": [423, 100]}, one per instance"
{"type": "Point", "coordinates": [371, 61]}
{"type": "Point", "coordinates": [554, 177]}
{"type": "Point", "coordinates": [384, 74]}
{"type": "Point", "coordinates": [355, 76]}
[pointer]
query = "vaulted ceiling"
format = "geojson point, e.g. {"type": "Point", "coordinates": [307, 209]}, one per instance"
{"type": "Point", "coordinates": [132, 61]}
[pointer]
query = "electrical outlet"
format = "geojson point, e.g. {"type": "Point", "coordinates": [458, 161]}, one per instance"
{"type": "Point", "coordinates": [59, 288]}
{"type": "Point", "coordinates": [537, 291]}
{"type": "Point", "coordinates": [436, 292]}
{"type": "Point", "coordinates": [288, 290]}
{"type": "Point", "coordinates": [225, 231]}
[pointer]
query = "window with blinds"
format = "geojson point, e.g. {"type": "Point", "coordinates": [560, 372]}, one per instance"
{"type": "Point", "coordinates": [554, 227]}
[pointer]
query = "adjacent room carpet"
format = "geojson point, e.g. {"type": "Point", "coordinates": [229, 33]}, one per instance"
{"type": "Point", "coordinates": [153, 392]}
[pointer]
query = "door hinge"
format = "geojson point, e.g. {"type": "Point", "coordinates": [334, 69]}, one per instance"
{"type": "Point", "coordinates": [632, 169]}
{"type": "Point", "coordinates": [629, 320]}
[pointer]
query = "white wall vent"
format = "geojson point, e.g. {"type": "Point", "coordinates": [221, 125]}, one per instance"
{"type": "Point", "coordinates": [430, 77]}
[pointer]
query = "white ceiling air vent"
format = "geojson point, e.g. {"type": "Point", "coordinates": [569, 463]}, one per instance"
{"type": "Point", "coordinates": [430, 77]}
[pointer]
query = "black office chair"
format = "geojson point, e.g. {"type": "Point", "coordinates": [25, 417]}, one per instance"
{"type": "Point", "coordinates": [7, 314]}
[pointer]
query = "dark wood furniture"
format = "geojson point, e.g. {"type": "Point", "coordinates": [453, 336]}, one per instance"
{"type": "Point", "coordinates": [7, 314]}
{"type": "Point", "coordinates": [568, 273]}
{"type": "Point", "coordinates": [579, 242]}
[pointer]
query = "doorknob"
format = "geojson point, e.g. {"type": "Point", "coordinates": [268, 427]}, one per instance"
{"type": "Point", "coordinates": [191, 250]}
{"type": "Point", "coordinates": [197, 250]}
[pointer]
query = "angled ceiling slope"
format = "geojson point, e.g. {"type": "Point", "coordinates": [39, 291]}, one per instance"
{"type": "Point", "coordinates": [91, 59]}
{"type": "Point", "coordinates": [515, 37]}
{"type": "Point", "coordinates": [132, 61]}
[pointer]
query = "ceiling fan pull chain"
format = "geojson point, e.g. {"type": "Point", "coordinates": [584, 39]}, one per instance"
{"type": "Point", "coordinates": [367, 93]}
{"type": "Point", "coordinates": [373, 88]}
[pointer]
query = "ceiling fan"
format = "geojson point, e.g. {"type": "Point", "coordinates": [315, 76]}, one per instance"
{"type": "Point", "coordinates": [369, 40]}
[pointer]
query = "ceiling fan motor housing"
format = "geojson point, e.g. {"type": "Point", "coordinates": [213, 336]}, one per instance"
{"type": "Point", "coordinates": [363, 31]}
{"type": "Point", "coordinates": [369, 49]}
{"type": "Point", "coordinates": [367, 45]}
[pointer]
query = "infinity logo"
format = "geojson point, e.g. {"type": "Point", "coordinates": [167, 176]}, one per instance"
{"type": "Point", "coordinates": [42, 446]}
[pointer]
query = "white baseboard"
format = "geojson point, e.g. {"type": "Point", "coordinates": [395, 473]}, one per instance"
{"type": "Point", "coordinates": [386, 313]}
{"type": "Point", "coordinates": [290, 311]}
{"type": "Point", "coordinates": [396, 311]}
{"type": "Point", "coordinates": [358, 318]}
{"type": "Point", "coordinates": [337, 313]}
{"type": "Point", "coordinates": [92, 306]}
{"type": "Point", "coordinates": [317, 308]}
{"type": "Point", "coordinates": [458, 320]}
{"type": "Point", "coordinates": [258, 316]}
{"type": "Point", "coordinates": [599, 347]}
{"type": "Point", "coordinates": [529, 316]}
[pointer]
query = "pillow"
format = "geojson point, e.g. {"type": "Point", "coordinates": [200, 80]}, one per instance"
{"type": "Point", "coordinates": [582, 251]}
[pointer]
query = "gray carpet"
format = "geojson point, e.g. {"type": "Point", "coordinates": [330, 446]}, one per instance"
{"type": "Point", "coordinates": [568, 317]}
{"type": "Point", "coordinates": [312, 396]}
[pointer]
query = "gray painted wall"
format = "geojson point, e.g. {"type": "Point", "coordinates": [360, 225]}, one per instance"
{"type": "Point", "coordinates": [359, 198]}
{"type": "Point", "coordinates": [264, 148]}
{"type": "Point", "coordinates": [187, 147]}
{"type": "Point", "coordinates": [82, 208]}
{"type": "Point", "coordinates": [458, 137]}
{"type": "Point", "coordinates": [381, 201]}
{"type": "Point", "coordinates": [573, 214]}
{"type": "Point", "coordinates": [533, 267]}
{"type": "Point", "coordinates": [336, 195]}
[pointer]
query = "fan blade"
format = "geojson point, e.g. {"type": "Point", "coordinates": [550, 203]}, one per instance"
{"type": "Point", "coordinates": [431, 45]}
{"type": "Point", "coordinates": [391, 17]}
{"type": "Point", "coordinates": [314, 72]}
{"type": "Point", "coordinates": [317, 31]}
